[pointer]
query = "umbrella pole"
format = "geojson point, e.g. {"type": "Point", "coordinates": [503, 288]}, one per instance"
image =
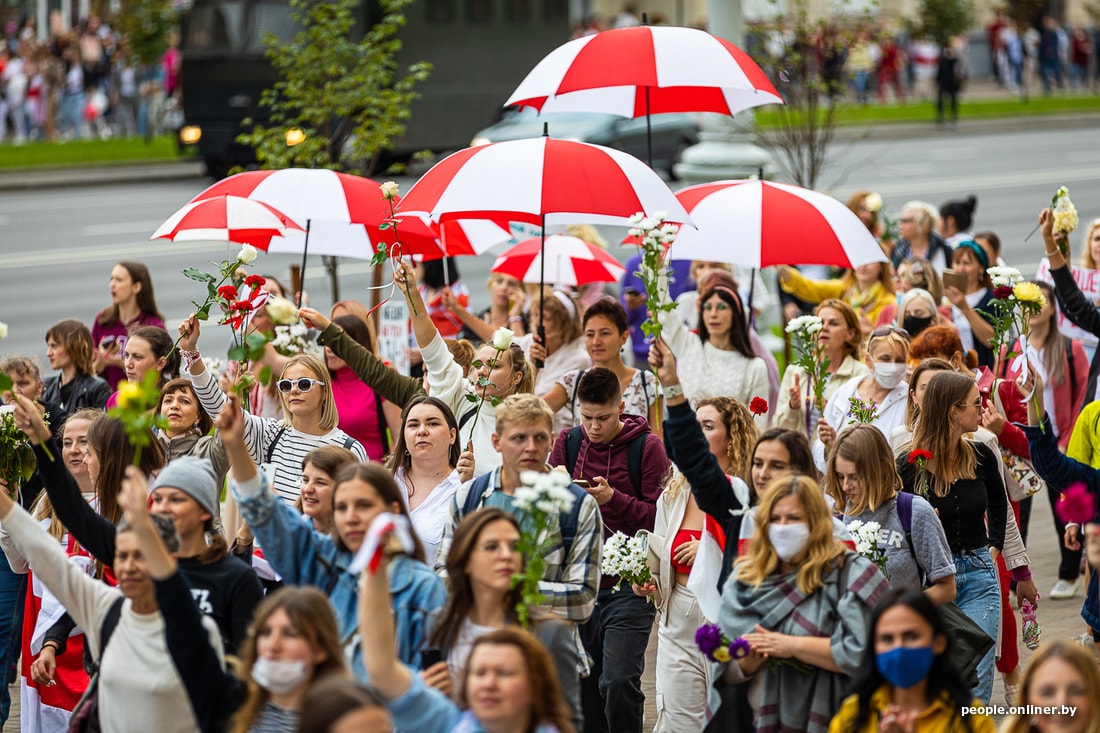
{"type": "Point", "coordinates": [305, 252]}
{"type": "Point", "coordinates": [648, 130]}
{"type": "Point", "coordinates": [752, 292]}
{"type": "Point", "coordinates": [542, 288]}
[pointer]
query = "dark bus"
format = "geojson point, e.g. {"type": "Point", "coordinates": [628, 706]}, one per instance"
{"type": "Point", "coordinates": [480, 50]}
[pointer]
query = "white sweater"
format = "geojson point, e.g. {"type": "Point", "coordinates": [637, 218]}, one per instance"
{"type": "Point", "coordinates": [139, 688]}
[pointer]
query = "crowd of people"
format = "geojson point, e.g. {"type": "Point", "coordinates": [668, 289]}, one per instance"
{"type": "Point", "coordinates": [82, 82]}
{"type": "Point", "coordinates": [340, 550]}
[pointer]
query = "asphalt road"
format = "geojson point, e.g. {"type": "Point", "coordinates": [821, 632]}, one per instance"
{"type": "Point", "coordinates": [58, 244]}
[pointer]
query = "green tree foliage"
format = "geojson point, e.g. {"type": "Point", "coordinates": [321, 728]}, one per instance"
{"type": "Point", "coordinates": [145, 24]}
{"type": "Point", "coordinates": [942, 19]}
{"type": "Point", "coordinates": [803, 58]}
{"type": "Point", "coordinates": [341, 89]}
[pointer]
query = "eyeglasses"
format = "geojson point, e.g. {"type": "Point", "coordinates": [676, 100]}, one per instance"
{"type": "Point", "coordinates": [977, 404]}
{"type": "Point", "coordinates": [905, 220]}
{"type": "Point", "coordinates": [493, 546]}
{"type": "Point", "coordinates": [887, 330]}
{"type": "Point", "coordinates": [304, 384]}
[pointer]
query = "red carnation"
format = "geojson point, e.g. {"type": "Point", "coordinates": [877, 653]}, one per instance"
{"type": "Point", "coordinates": [242, 306]}
{"type": "Point", "coordinates": [758, 406]}
{"type": "Point", "coordinates": [1002, 292]}
{"type": "Point", "coordinates": [920, 455]}
{"type": "Point", "coordinates": [1075, 505]}
{"type": "Point", "coordinates": [228, 292]}
{"type": "Point", "coordinates": [255, 281]}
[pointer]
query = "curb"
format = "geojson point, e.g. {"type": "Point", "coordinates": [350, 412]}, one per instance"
{"type": "Point", "coordinates": [977, 126]}
{"type": "Point", "coordinates": [91, 175]}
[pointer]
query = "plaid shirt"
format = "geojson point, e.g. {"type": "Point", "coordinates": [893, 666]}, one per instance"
{"type": "Point", "coordinates": [570, 583]}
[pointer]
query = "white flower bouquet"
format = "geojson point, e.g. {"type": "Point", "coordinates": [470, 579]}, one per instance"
{"type": "Point", "coordinates": [539, 502]}
{"type": "Point", "coordinates": [653, 236]}
{"type": "Point", "coordinates": [293, 340]}
{"type": "Point", "coordinates": [810, 354]}
{"type": "Point", "coordinates": [866, 537]}
{"type": "Point", "coordinates": [624, 557]}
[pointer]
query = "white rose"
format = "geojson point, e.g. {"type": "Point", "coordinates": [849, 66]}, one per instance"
{"type": "Point", "coordinates": [3, 330]}
{"type": "Point", "coordinates": [281, 311]}
{"type": "Point", "coordinates": [873, 202]}
{"type": "Point", "coordinates": [389, 190]}
{"type": "Point", "coordinates": [502, 339]}
{"type": "Point", "coordinates": [247, 255]}
{"type": "Point", "coordinates": [1062, 191]}
{"type": "Point", "coordinates": [636, 219]}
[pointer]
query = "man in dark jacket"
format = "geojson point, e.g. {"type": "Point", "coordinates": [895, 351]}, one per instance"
{"type": "Point", "coordinates": [622, 464]}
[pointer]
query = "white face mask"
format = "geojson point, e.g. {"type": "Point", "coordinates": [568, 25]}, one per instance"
{"type": "Point", "coordinates": [279, 676]}
{"type": "Point", "coordinates": [788, 539]}
{"type": "Point", "coordinates": [888, 374]}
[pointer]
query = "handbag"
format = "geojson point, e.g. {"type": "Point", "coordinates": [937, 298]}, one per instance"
{"type": "Point", "coordinates": [967, 643]}
{"type": "Point", "coordinates": [1021, 480]}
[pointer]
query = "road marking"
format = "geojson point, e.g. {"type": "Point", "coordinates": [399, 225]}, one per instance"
{"type": "Point", "coordinates": [122, 227]}
{"type": "Point", "coordinates": [132, 250]}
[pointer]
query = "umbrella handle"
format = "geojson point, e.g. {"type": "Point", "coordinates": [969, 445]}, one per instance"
{"type": "Point", "coordinates": [542, 340]}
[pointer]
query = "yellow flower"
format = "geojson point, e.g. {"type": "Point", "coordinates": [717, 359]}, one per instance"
{"type": "Point", "coordinates": [129, 393]}
{"type": "Point", "coordinates": [721, 654]}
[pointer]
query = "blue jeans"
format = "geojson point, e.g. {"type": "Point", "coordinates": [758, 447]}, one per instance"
{"type": "Point", "coordinates": [979, 597]}
{"type": "Point", "coordinates": [616, 638]}
{"type": "Point", "coordinates": [10, 635]}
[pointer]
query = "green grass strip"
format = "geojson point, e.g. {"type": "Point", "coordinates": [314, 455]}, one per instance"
{"type": "Point", "coordinates": [116, 151]}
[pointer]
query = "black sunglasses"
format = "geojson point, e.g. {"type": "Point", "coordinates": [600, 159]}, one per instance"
{"type": "Point", "coordinates": [304, 384]}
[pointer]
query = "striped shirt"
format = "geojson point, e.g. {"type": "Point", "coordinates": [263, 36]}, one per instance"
{"type": "Point", "coordinates": [267, 436]}
{"type": "Point", "coordinates": [274, 719]}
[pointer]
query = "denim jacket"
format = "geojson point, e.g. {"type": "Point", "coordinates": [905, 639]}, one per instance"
{"type": "Point", "coordinates": [303, 556]}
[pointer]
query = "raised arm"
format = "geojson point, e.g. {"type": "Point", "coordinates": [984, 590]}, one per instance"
{"type": "Point", "coordinates": [378, 636]}
{"type": "Point", "coordinates": [92, 531]}
{"type": "Point", "coordinates": [372, 371]}
{"type": "Point", "coordinates": [1074, 304]}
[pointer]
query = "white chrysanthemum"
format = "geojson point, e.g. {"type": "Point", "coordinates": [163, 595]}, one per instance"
{"type": "Point", "coordinates": [1004, 276]}
{"type": "Point", "coordinates": [1065, 213]}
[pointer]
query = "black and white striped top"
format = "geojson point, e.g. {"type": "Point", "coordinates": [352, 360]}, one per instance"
{"type": "Point", "coordinates": [266, 436]}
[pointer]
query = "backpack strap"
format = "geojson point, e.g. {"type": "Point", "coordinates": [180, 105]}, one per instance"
{"type": "Point", "coordinates": [383, 427]}
{"type": "Point", "coordinates": [570, 521]}
{"type": "Point", "coordinates": [645, 392]}
{"type": "Point", "coordinates": [905, 516]}
{"type": "Point", "coordinates": [107, 629]}
{"type": "Point", "coordinates": [473, 497]}
{"type": "Point", "coordinates": [1072, 366]}
{"type": "Point", "coordinates": [349, 442]}
{"type": "Point", "coordinates": [466, 417]}
{"type": "Point", "coordinates": [634, 452]}
{"type": "Point", "coordinates": [271, 447]}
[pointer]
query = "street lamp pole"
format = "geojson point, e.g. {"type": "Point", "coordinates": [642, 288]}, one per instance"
{"type": "Point", "coordinates": [726, 148]}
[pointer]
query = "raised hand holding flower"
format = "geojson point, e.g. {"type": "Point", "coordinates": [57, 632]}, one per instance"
{"type": "Point", "coordinates": [501, 342]}
{"type": "Point", "coordinates": [538, 504]}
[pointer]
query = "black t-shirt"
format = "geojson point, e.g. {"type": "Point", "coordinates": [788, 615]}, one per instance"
{"type": "Point", "coordinates": [227, 591]}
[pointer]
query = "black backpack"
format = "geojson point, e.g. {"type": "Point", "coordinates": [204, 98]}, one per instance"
{"type": "Point", "coordinates": [634, 452]}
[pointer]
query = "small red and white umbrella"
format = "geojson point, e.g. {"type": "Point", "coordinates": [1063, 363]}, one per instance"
{"type": "Point", "coordinates": [541, 181]}
{"type": "Point", "coordinates": [227, 218]}
{"type": "Point", "coordinates": [646, 70]}
{"type": "Point", "coordinates": [567, 260]}
{"type": "Point", "coordinates": [761, 224]}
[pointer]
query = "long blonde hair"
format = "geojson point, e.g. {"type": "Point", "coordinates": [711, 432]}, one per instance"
{"type": "Point", "coordinates": [954, 456]}
{"type": "Point", "coordinates": [822, 551]}
{"type": "Point", "coordinates": [329, 415]}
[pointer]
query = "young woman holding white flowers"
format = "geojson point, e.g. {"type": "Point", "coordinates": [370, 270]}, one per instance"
{"type": "Point", "coordinates": [503, 367]}
{"type": "Point", "coordinates": [862, 480]}
{"type": "Point", "coordinates": [842, 342]}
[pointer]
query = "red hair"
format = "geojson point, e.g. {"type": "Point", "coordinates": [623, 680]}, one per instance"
{"type": "Point", "coordinates": [939, 341]}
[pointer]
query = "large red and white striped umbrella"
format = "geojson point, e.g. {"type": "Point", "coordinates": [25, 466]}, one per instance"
{"type": "Point", "coordinates": [541, 181]}
{"type": "Point", "coordinates": [226, 218]}
{"type": "Point", "coordinates": [567, 261]}
{"type": "Point", "coordinates": [760, 224]}
{"type": "Point", "coordinates": [345, 215]}
{"type": "Point", "coordinates": [683, 70]}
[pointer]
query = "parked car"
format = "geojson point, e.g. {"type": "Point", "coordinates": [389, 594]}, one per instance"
{"type": "Point", "coordinates": [672, 133]}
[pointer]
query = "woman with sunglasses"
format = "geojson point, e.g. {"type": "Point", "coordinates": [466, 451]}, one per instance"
{"type": "Point", "coordinates": [309, 411]}
{"type": "Point", "coordinates": [962, 481]}
{"type": "Point", "coordinates": [884, 390]}
{"type": "Point", "coordinates": [917, 236]}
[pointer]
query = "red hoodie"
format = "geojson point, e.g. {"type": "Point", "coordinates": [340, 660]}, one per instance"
{"type": "Point", "coordinates": [628, 511]}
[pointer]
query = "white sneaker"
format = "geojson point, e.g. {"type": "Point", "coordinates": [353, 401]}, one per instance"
{"type": "Point", "coordinates": [1063, 589]}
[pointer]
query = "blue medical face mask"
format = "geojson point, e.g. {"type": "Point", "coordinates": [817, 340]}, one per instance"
{"type": "Point", "coordinates": [905, 666]}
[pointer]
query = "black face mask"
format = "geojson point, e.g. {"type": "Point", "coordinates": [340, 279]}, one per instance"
{"type": "Point", "coordinates": [915, 324]}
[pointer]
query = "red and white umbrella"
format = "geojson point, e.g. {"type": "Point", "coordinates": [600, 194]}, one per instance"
{"type": "Point", "coordinates": [227, 218]}
{"type": "Point", "coordinates": [646, 70]}
{"type": "Point", "coordinates": [760, 224]}
{"type": "Point", "coordinates": [344, 214]}
{"type": "Point", "coordinates": [565, 260]}
{"type": "Point", "coordinates": [541, 181]}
